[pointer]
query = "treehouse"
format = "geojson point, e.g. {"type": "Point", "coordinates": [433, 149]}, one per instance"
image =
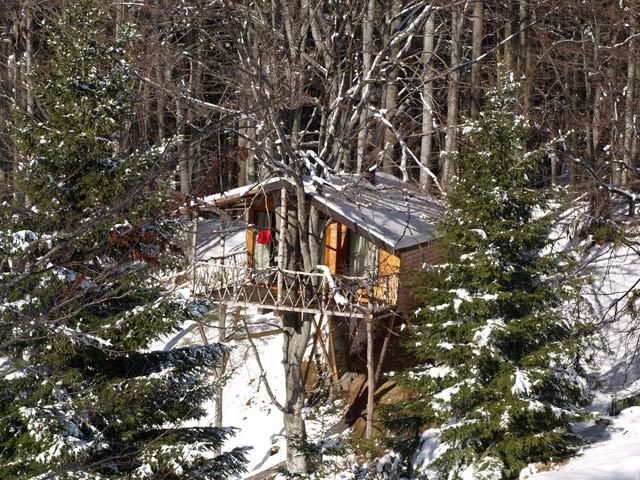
{"type": "Point", "coordinates": [371, 234]}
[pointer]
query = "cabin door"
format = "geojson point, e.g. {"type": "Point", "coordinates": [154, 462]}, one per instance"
{"type": "Point", "coordinates": [264, 247]}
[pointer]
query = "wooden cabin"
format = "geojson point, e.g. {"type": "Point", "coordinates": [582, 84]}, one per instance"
{"type": "Point", "coordinates": [374, 234]}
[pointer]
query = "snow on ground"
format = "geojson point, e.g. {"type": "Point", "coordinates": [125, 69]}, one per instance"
{"type": "Point", "coordinates": [615, 450]}
{"type": "Point", "coordinates": [615, 272]}
{"type": "Point", "coordinates": [246, 404]}
{"type": "Point", "coordinates": [615, 457]}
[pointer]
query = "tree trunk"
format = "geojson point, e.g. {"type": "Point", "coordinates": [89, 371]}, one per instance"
{"type": "Point", "coordinates": [367, 49]}
{"type": "Point", "coordinates": [457, 17]}
{"type": "Point", "coordinates": [391, 96]}
{"type": "Point", "coordinates": [476, 51]}
{"type": "Point", "coordinates": [160, 106]}
{"type": "Point", "coordinates": [625, 176]}
{"type": "Point", "coordinates": [243, 155]}
{"type": "Point", "coordinates": [183, 162]}
{"type": "Point", "coordinates": [371, 379]}
{"type": "Point", "coordinates": [426, 147]}
{"type": "Point", "coordinates": [508, 31]}
{"type": "Point", "coordinates": [28, 58]}
{"type": "Point", "coordinates": [525, 58]}
{"type": "Point", "coordinates": [296, 336]}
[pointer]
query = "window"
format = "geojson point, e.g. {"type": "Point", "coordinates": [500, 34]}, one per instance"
{"type": "Point", "coordinates": [362, 256]}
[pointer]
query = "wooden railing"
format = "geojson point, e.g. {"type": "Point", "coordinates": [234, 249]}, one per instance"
{"type": "Point", "coordinates": [233, 282]}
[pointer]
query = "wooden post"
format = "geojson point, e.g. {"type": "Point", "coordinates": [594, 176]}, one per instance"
{"type": "Point", "coordinates": [385, 347]}
{"type": "Point", "coordinates": [371, 379]}
{"type": "Point", "coordinates": [194, 246]}
{"type": "Point", "coordinates": [282, 232]}
{"type": "Point", "coordinates": [311, 354]}
{"type": "Point", "coordinates": [222, 333]}
{"type": "Point", "coordinates": [222, 323]}
{"type": "Point", "coordinates": [332, 365]}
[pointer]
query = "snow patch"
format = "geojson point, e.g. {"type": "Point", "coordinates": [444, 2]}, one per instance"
{"type": "Point", "coordinates": [522, 384]}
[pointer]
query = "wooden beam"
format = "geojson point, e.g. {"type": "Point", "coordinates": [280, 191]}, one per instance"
{"type": "Point", "coordinates": [332, 366]}
{"type": "Point", "coordinates": [371, 380]}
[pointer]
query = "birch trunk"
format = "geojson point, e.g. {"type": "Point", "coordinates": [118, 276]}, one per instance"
{"type": "Point", "coordinates": [476, 51]}
{"type": "Point", "coordinates": [624, 176]}
{"type": "Point", "coordinates": [457, 17]}
{"type": "Point", "coordinates": [391, 96]}
{"type": "Point", "coordinates": [426, 147]}
{"type": "Point", "coordinates": [367, 50]}
{"type": "Point", "coordinates": [183, 166]}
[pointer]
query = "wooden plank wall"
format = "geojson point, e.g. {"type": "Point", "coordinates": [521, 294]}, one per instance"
{"type": "Point", "coordinates": [250, 235]}
{"type": "Point", "coordinates": [335, 250]}
{"type": "Point", "coordinates": [388, 264]}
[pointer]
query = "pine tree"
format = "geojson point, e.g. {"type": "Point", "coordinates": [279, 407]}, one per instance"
{"type": "Point", "coordinates": [82, 297]}
{"type": "Point", "coordinates": [500, 336]}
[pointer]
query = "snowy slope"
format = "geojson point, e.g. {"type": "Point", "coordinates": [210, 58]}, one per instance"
{"type": "Point", "coordinates": [616, 456]}
{"type": "Point", "coordinates": [246, 405]}
{"type": "Point", "coordinates": [615, 451]}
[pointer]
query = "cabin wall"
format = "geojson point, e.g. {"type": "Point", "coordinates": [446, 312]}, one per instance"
{"type": "Point", "coordinates": [336, 248]}
{"type": "Point", "coordinates": [410, 261]}
{"type": "Point", "coordinates": [417, 257]}
{"type": "Point", "coordinates": [388, 265]}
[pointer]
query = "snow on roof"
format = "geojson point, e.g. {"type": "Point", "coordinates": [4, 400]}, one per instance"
{"type": "Point", "coordinates": [214, 240]}
{"type": "Point", "coordinates": [388, 212]}
{"type": "Point", "coordinates": [236, 194]}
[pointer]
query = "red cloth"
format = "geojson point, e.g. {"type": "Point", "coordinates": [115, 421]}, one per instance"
{"type": "Point", "coordinates": [264, 237]}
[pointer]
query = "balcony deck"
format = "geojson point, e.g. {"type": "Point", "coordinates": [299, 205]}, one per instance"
{"type": "Point", "coordinates": [294, 291]}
